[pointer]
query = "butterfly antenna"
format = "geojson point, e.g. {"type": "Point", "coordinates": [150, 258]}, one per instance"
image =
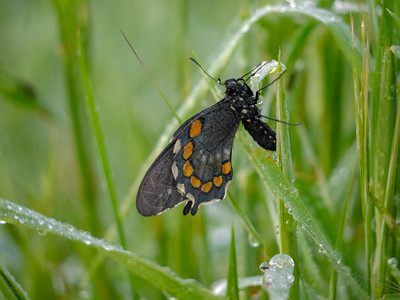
{"type": "Point", "coordinates": [253, 71]}
{"type": "Point", "coordinates": [272, 82]}
{"type": "Point", "coordinates": [195, 61]}
{"type": "Point", "coordinates": [156, 86]}
{"type": "Point", "coordinates": [280, 121]}
{"type": "Point", "coordinates": [134, 52]}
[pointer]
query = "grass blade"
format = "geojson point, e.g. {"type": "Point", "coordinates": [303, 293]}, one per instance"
{"type": "Point", "coordinates": [246, 221]}
{"type": "Point", "coordinates": [67, 21]}
{"type": "Point", "coordinates": [100, 141]}
{"type": "Point", "coordinates": [362, 134]}
{"type": "Point", "coordinates": [232, 291]}
{"type": "Point", "coordinates": [160, 277]}
{"type": "Point", "coordinates": [283, 190]}
{"type": "Point", "coordinates": [383, 116]}
{"type": "Point", "coordinates": [9, 287]}
{"type": "Point", "coordinates": [287, 225]}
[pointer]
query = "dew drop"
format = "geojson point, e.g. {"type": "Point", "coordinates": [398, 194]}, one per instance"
{"type": "Point", "coordinates": [107, 247]}
{"type": "Point", "coordinates": [264, 266]}
{"type": "Point", "coordinates": [392, 262]}
{"type": "Point", "coordinates": [290, 278]}
{"type": "Point", "coordinates": [253, 242]}
{"type": "Point", "coordinates": [42, 232]}
{"type": "Point", "coordinates": [278, 276]}
{"type": "Point", "coordinates": [70, 228]}
{"type": "Point", "coordinates": [322, 249]}
{"type": "Point", "coordinates": [275, 157]}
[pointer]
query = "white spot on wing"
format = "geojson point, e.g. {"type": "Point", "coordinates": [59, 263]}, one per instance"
{"type": "Point", "coordinates": [226, 154]}
{"type": "Point", "coordinates": [226, 188]}
{"type": "Point", "coordinates": [177, 147]}
{"type": "Point", "coordinates": [181, 188]}
{"type": "Point", "coordinates": [190, 197]}
{"type": "Point", "coordinates": [174, 170]}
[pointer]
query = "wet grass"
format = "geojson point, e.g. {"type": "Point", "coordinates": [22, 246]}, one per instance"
{"type": "Point", "coordinates": [81, 122]}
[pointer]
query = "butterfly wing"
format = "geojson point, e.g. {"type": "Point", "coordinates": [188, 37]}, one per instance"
{"type": "Point", "coordinates": [195, 166]}
{"type": "Point", "coordinates": [158, 190]}
{"type": "Point", "coordinates": [261, 133]}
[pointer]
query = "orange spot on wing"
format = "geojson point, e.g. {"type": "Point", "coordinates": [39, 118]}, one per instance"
{"type": "Point", "coordinates": [226, 168]}
{"type": "Point", "coordinates": [188, 150]}
{"type": "Point", "coordinates": [217, 181]}
{"type": "Point", "coordinates": [206, 187]}
{"type": "Point", "coordinates": [195, 182]}
{"type": "Point", "coordinates": [187, 169]}
{"type": "Point", "coordinates": [195, 129]}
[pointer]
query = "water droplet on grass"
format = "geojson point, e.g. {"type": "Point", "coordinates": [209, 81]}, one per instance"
{"type": "Point", "coordinates": [392, 262]}
{"type": "Point", "coordinates": [278, 276]}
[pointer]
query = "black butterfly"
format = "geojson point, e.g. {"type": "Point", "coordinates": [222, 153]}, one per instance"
{"type": "Point", "coordinates": [196, 165]}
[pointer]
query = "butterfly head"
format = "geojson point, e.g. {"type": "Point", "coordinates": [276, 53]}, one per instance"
{"type": "Point", "coordinates": [239, 92]}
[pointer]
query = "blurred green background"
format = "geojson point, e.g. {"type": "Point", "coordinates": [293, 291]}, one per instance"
{"type": "Point", "coordinates": [49, 159]}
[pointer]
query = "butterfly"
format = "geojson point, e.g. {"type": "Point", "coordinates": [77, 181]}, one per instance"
{"type": "Point", "coordinates": [196, 166]}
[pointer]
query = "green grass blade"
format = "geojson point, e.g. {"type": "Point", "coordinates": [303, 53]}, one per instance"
{"type": "Point", "coordinates": [100, 141]}
{"type": "Point", "coordinates": [340, 236]}
{"type": "Point", "coordinates": [232, 291]}
{"type": "Point", "coordinates": [101, 145]}
{"type": "Point", "coordinates": [67, 19]}
{"type": "Point", "coordinates": [246, 221]}
{"type": "Point", "coordinates": [283, 190]}
{"type": "Point", "coordinates": [383, 105]}
{"type": "Point", "coordinates": [361, 88]}
{"type": "Point", "coordinates": [382, 124]}
{"type": "Point", "coordinates": [394, 16]}
{"type": "Point", "coordinates": [287, 225]}
{"type": "Point", "coordinates": [158, 276]}
{"type": "Point", "coordinates": [9, 287]}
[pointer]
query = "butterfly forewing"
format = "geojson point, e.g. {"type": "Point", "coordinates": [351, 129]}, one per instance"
{"type": "Point", "coordinates": [158, 190]}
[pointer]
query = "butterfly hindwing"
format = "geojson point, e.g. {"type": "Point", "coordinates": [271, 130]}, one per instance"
{"type": "Point", "coordinates": [203, 156]}
{"type": "Point", "coordinates": [195, 166]}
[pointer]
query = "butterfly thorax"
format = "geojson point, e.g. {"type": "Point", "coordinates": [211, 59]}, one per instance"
{"type": "Point", "coordinates": [241, 98]}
